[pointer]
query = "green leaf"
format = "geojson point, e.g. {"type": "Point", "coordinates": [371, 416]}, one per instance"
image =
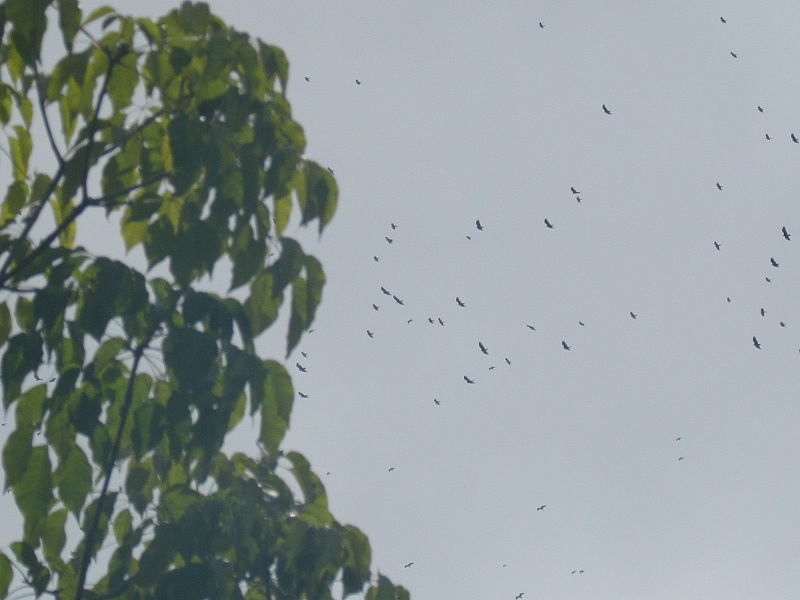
{"type": "Point", "coordinates": [69, 19]}
{"type": "Point", "coordinates": [358, 556]}
{"type": "Point", "coordinates": [98, 13]}
{"type": "Point", "coordinates": [30, 407]}
{"type": "Point", "coordinates": [54, 537]}
{"type": "Point", "coordinates": [21, 146]}
{"type": "Point", "coordinates": [306, 296]}
{"type": "Point", "coordinates": [315, 505]}
{"type": "Point", "coordinates": [25, 315]}
{"type": "Point", "coordinates": [123, 81]}
{"type": "Point", "coordinates": [23, 355]}
{"type": "Point", "coordinates": [123, 524]}
{"type": "Point", "coordinates": [6, 574]}
{"type": "Point", "coordinates": [16, 452]}
{"type": "Point", "coordinates": [62, 210]}
{"type": "Point", "coordinates": [276, 408]}
{"type": "Point", "coordinates": [191, 354]}
{"type": "Point", "coordinates": [5, 323]}
{"type": "Point", "coordinates": [16, 196]}
{"type": "Point", "coordinates": [34, 490]}
{"type": "Point", "coordinates": [73, 477]}
{"type": "Point", "coordinates": [30, 21]}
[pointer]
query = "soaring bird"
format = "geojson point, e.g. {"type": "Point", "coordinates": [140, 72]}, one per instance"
{"type": "Point", "coordinates": [719, 185]}
{"type": "Point", "coordinates": [794, 139]}
{"type": "Point", "coordinates": [763, 312]}
{"type": "Point", "coordinates": [478, 225]}
{"type": "Point", "coordinates": [786, 234]}
{"type": "Point", "coordinates": [782, 324]}
{"type": "Point", "coordinates": [531, 327]}
{"type": "Point", "coordinates": [760, 109]}
{"type": "Point", "coordinates": [548, 223]}
{"type": "Point", "coordinates": [375, 306]}
{"type": "Point", "coordinates": [633, 315]}
{"type": "Point", "coordinates": [734, 55]}
{"type": "Point", "coordinates": [540, 25]}
{"type": "Point", "coordinates": [459, 302]}
{"type": "Point", "coordinates": [370, 334]}
{"type": "Point", "coordinates": [681, 457]}
{"type": "Point", "coordinates": [385, 291]}
{"type": "Point", "coordinates": [301, 368]}
{"type": "Point", "coordinates": [436, 402]}
{"type": "Point", "coordinates": [766, 135]}
{"type": "Point", "coordinates": [391, 469]}
{"type": "Point", "coordinates": [393, 225]}
{"type": "Point", "coordinates": [605, 110]}
{"type": "Point", "coordinates": [396, 299]}
{"type": "Point", "coordinates": [468, 380]}
{"type": "Point", "coordinates": [716, 245]}
{"type": "Point", "coordinates": [728, 298]}
{"type": "Point", "coordinates": [408, 565]}
{"type": "Point", "coordinates": [431, 321]}
{"type": "Point", "coordinates": [440, 321]}
{"type": "Point", "coordinates": [767, 279]}
{"type": "Point", "coordinates": [519, 596]}
{"type": "Point", "coordinates": [508, 362]}
{"type": "Point", "coordinates": [388, 239]}
{"type": "Point", "coordinates": [302, 395]}
{"type": "Point", "coordinates": [773, 262]}
{"type": "Point", "coordinates": [723, 19]}
{"type": "Point", "coordinates": [755, 343]}
{"type": "Point", "coordinates": [410, 321]}
{"type": "Point", "coordinates": [564, 345]}
{"type": "Point", "coordinates": [307, 78]}
{"type": "Point", "coordinates": [358, 82]}
{"type": "Point", "coordinates": [542, 507]}
{"type": "Point", "coordinates": [578, 198]}
{"type": "Point", "coordinates": [331, 171]}
{"type": "Point", "coordinates": [483, 348]}
{"type": "Point", "coordinates": [574, 571]}
{"type": "Point", "coordinates": [376, 259]}
{"type": "Point", "coordinates": [304, 354]}
{"type": "Point", "coordinates": [581, 323]}
{"type": "Point", "coordinates": [678, 439]}
{"type": "Point", "coordinates": [574, 191]}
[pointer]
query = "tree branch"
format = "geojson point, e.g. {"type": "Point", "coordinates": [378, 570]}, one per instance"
{"type": "Point", "coordinates": [45, 118]}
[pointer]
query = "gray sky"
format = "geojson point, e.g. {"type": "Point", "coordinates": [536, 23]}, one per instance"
{"type": "Point", "coordinates": [469, 110]}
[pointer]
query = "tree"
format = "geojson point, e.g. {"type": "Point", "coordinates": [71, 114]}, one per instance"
{"type": "Point", "coordinates": [132, 446]}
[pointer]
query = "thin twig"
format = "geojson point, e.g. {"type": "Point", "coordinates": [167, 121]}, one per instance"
{"type": "Point", "coordinates": [45, 118]}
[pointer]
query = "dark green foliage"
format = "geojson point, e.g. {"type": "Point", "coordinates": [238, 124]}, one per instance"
{"type": "Point", "coordinates": [108, 370]}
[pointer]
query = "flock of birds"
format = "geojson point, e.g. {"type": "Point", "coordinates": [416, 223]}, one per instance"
{"type": "Point", "coordinates": [436, 320]}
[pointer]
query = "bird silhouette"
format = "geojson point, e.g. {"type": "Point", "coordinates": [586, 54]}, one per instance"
{"type": "Point", "coordinates": [508, 362]}
{"type": "Point", "coordinates": [540, 25]}
{"type": "Point", "coordinates": [581, 323]}
{"type": "Point", "coordinates": [393, 225]}
{"type": "Point", "coordinates": [304, 355]}
{"type": "Point", "coordinates": [794, 139]}
{"type": "Point", "coordinates": [400, 302]}
{"type": "Point", "coordinates": [376, 259]}
{"type": "Point", "coordinates": [723, 19]}
{"type": "Point", "coordinates": [519, 596]}
{"type": "Point", "coordinates": [719, 185]}
{"type": "Point", "coordinates": [734, 55]}
{"type": "Point", "coordinates": [605, 110]}
{"type": "Point", "coordinates": [408, 565]}
{"type": "Point", "coordinates": [391, 469]}
{"type": "Point", "coordinates": [375, 307]}
{"type": "Point", "coordinates": [574, 571]}
{"type": "Point", "coordinates": [760, 109]}
{"type": "Point", "coordinates": [301, 368]}
{"type": "Point", "coordinates": [483, 348]}
{"type": "Point", "coordinates": [478, 225]}
{"type": "Point", "coordinates": [370, 334]}
{"type": "Point", "coordinates": [578, 198]}
{"type": "Point", "coordinates": [542, 507]}
{"type": "Point", "coordinates": [388, 239]}
{"type": "Point", "coordinates": [385, 291]}
{"type": "Point", "coordinates": [431, 321]}
{"type": "Point", "coordinates": [681, 457]}
{"type": "Point", "coordinates": [678, 439]}
{"type": "Point", "coordinates": [307, 78]}
{"type": "Point", "coordinates": [763, 312]}
{"type": "Point", "coordinates": [786, 234]}
{"type": "Point", "coordinates": [565, 346]}
{"type": "Point", "coordinates": [767, 279]}
{"type": "Point", "coordinates": [755, 343]}
{"type": "Point", "coordinates": [531, 327]}
{"type": "Point", "coordinates": [716, 245]}
{"type": "Point", "coordinates": [728, 298]}
{"type": "Point", "coordinates": [440, 321]}
{"type": "Point", "coordinates": [468, 380]}
{"type": "Point", "coordinates": [410, 321]}
{"type": "Point", "coordinates": [331, 171]}
{"type": "Point", "coordinates": [581, 572]}
{"type": "Point", "coordinates": [549, 225]}
{"type": "Point", "coordinates": [302, 395]}
{"type": "Point", "coordinates": [358, 82]}
{"type": "Point", "coordinates": [773, 262]}
{"type": "Point", "coordinates": [436, 402]}
{"type": "Point", "coordinates": [459, 302]}
{"type": "Point", "coordinates": [633, 315]}
{"type": "Point", "coordinates": [782, 324]}
{"type": "Point", "coordinates": [574, 191]}
{"type": "Point", "coordinates": [767, 136]}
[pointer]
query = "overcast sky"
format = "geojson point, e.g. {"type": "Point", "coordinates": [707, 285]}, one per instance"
{"type": "Point", "coordinates": [470, 111]}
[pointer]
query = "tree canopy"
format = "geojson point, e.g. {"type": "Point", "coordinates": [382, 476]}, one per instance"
{"type": "Point", "coordinates": [124, 385]}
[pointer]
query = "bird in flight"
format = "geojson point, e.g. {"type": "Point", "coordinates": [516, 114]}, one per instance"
{"type": "Point", "coordinates": [760, 109]}
{"type": "Point", "coordinates": [508, 362]}
{"type": "Point", "coordinates": [794, 139]}
{"type": "Point", "coordinates": [734, 55]}
{"type": "Point", "coordinates": [375, 306]}
{"type": "Point", "coordinates": [393, 225]}
{"type": "Point", "coordinates": [716, 245]}
{"type": "Point", "coordinates": [681, 457]}
{"type": "Point", "coordinates": [578, 198]}
{"type": "Point", "coordinates": [408, 565]}
{"type": "Point", "coordinates": [773, 262]}
{"type": "Point", "coordinates": [763, 312]}
{"type": "Point", "coordinates": [786, 234]}
{"type": "Point", "coordinates": [431, 321]}
{"type": "Point", "coordinates": [767, 136]}
{"type": "Point", "coordinates": [391, 469]}
{"type": "Point", "coordinates": [719, 185]}
{"type": "Point", "coordinates": [574, 571]}
{"type": "Point", "coordinates": [400, 302]}
{"type": "Point", "coordinates": [549, 225]}
{"type": "Point", "coordinates": [301, 368]}
{"type": "Point", "coordinates": [388, 239]}
{"type": "Point", "coordinates": [385, 291]}
{"type": "Point", "coordinates": [564, 345]}
{"type": "Point", "coordinates": [542, 507]}
{"type": "Point", "coordinates": [540, 25]}
{"type": "Point", "coordinates": [633, 315]}
{"type": "Point", "coordinates": [483, 348]}
{"type": "Point", "coordinates": [307, 78]}
{"type": "Point", "coordinates": [519, 596]}
{"type": "Point", "coordinates": [768, 280]}
{"type": "Point", "coordinates": [573, 190]}
{"type": "Point", "coordinates": [581, 323]}
{"type": "Point", "coordinates": [478, 225]}
{"type": "Point", "coordinates": [440, 321]}
{"type": "Point", "coordinates": [436, 402]}
{"type": "Point", "coordinates": [410, 321]}
{"type": "Point", "coordinates": [723, 19]}
{"type": "Point", "coordinates": [605, 110]}
{"type": "Point", "coordinates": [728, 298]}
{"type": "Point", "coordinates": [678, 439]}
{"type": "Point", "coordinates": [531, 327]}
{"type": "Point", "coordinates": [331, 171]}
{"type": "Point", "coordinates": [302, 395]}
{"type": "Point", "coordinates": [459, 302]}
{"type": "Point", "coordinates": [468, 380]}
{"type": "Point", "coordinates": [370, 334]}
{"type": "Point", "coordinates": [782, 324]}
{"type": "Point", "coordinates": [376, 259]}
{"type": "Point", "coordinates": [358, 82]}
{"type": "Point", "coordinates": [755, 343]}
